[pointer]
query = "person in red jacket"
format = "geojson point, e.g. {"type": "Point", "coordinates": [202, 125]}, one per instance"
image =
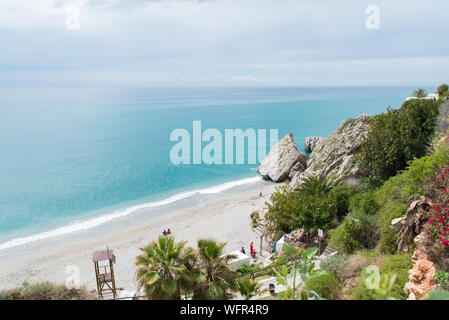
{"type": "Point", "coordinates": [168, 231]}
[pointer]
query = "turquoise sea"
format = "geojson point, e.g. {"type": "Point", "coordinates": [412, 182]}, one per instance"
{"type": "Point", "coordinates": [73, 154]}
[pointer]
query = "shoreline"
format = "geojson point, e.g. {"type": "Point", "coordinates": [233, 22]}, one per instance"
{"type": "Point", "coordinates": [86, 222]}
{"type": "Point", "coordinates": [224, 216]}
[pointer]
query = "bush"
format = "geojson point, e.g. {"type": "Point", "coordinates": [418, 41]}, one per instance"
{"type": "Point", "coordinates": [342, 196]}
{"type": "Point", "coordinates": [364, 202]}
{"type": "Point", "coordinates": [398, 264]}
{"type": "Point", "coordinates": [316, 186]}
{"type": "Point", "coordinates": [334, 264]}
{"type": "Point", "coordinates": [395, 138]}
{"type": "Point", "coordinates": [391, 210]}
{"type": "Point", "coordinates": [290, 210]}
{"type": "Point", "coordinates": [358, 231]}
{"type": "Point", "coordinates": [443, 89]}
{"type": "Point", "coordinates": [46, 291]}
{"type": "Point", "coordinates": [326, 285]}
{"type": "Point", "coordinates": [442, 279]}
{"type": "Point", "coordinates": [246, 269]}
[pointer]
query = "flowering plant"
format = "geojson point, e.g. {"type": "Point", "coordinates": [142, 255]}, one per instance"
{"type": "Point", "coordinates": [437, 225]}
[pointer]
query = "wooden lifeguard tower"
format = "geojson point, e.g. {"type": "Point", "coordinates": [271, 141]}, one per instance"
{"type": "Point", "coordinates": [105, 272]}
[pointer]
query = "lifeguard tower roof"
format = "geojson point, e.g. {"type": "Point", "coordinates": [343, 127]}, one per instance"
{"type": "Point", "coordinates": [103, 255]}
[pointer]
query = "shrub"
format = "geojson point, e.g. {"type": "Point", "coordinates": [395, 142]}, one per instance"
{"type": "Point", "coordinates": [290, 210]}
{"type": "Point", "coordinates": [342, 196]}
{"type": "Point", "coordinates": [316, 186]}
{"type": "Point", "coordinates": [443, 89]}
{"type": "Point", "coordinates": [395, 138]}
{"type": "Point", "coordinates": [442, 279]}
{"type": "Point", "coordinates": [389, 211]}
{"type": "Point", "coordinates": [358, 231]}
{"type": "Point", "coordinates": [364, 202]}
{"type": "Point", "coordinates": [389, 265]}
{"type": "Point", "coordinates": [334, 263]}
{"type": "Point", "coordinates": [398, 264]}
{"type": "Point", "coordinates": [326, 285]}
{"type": "Point", "coordinates": [246, 269]}
{"type": "Point", "coordinates": [46, 291]}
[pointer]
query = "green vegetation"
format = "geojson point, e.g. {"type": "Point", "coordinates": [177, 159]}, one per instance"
{"type": "Point", "coordinates": [304, 264]}
{"type": "Point", "coordinates": [215, 278]}
{"type": "Point", "coordinates": [397, 137]}
{"type": "Point", "coordinates": [169, 271]}
{"type": "Point", "coordinates": [442, 279]}
{"type": "Point", "coordinates": [162, 269]}
{"type": "Point", "coordinates": [364, 202]}
{"type": "Point", "coordinates": [325, 285]}
{"type": "Point", "coordinates": [249, 288]}
{"type": "Point", "coordinates": [420, 93]}
{"type": "Point", "coordinates": [316, 186]}
{"type": "Point", "coordinates": [46, 291]}
{"type": "Point", "coordinates": [444, 88]}
{"type": "Point", "coordinates": [334, 263]}
{"type": "Point", "coordinates": [389, 267]}
{"type": "Point", "coordinates": [358, 231]}
{"type": "Point", "coordinates": [289, 210]}
{"type": "Point", "coordinates": [342, 196]}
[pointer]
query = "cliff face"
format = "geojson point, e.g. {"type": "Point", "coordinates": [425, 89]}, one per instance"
{"type": "Point", "coordinates": [282, 159]}
{"type": "Point", "coordinates": [333, 157]}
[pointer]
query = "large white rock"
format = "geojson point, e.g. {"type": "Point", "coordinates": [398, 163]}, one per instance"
{"type": "Point", "coordinates": [281, 159]}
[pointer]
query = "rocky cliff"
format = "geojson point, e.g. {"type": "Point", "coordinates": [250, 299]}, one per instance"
{"type": "Point", "coordinates": [333, 157]}
{"type": "Point", "coordinates": [311, 142]}
{"type": "Point", "coordinates": [283, 157]}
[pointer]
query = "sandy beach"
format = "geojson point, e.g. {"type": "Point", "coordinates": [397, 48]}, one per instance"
{"type": "Point", "coordinates": [225, 218]}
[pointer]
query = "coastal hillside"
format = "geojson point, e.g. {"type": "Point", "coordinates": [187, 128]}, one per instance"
{"type": "Point", "coordinates": [377, 187]}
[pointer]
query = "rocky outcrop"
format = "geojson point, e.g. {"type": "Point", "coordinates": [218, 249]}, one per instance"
{"type": "Point", "coordinates": [281, 159]}
{"type": "Point", "coordinates": [333, 157]}
{"type": "Point", "coordinates": [410, 225]}
{"type": "Point", "coordinates": [300, 166]}
{"type": "Point", "coordinates": [311, 142]}
{"type": "Point", "coordinates": [421, 280]}
{"type": "Point", "coordinates": [301, 238]}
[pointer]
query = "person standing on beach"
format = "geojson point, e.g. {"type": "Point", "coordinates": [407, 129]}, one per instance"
{"type": "Point", "coordinates": [168, 231]}
{"type": "Point", "coordinates": [251, 246]}
{"type": "Point", "coordinates": [243, 250]}
{"type": "Point", "coordinates": [164, 233]}
{"type": "Point", "coordinates": [260, 193]}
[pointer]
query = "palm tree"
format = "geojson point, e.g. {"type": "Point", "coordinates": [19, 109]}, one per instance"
{"type": "Point", "coordinates": [420, 93]}
{"type": "Point", "coordinates": [249, 288]}
{"type": "Point", "coordinates": [315, 186]}
{"type": "Point", "coordinates": [163, 269]}
{"type": "Point", "coordinates": [216, 278]}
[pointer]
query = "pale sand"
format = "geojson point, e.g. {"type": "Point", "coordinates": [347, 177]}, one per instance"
{"type": "Point", "coordinates": [225, 218]}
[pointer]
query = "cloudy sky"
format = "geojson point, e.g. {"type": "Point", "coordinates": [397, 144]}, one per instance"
{"type": "Point", "coordinates": [223, 42]}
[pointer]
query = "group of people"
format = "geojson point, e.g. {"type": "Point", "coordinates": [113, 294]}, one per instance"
{"type": "Point", "coordinates": [166, 233]}
{"type": "Point", "coordinates": [252, 251]}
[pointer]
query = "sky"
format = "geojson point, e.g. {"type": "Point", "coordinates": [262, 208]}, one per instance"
{"type": "Point", "coordinates": [224, 42]}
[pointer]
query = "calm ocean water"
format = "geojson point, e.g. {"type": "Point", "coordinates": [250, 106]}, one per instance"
{"type": "Point", "coordinates": [78, 153]}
